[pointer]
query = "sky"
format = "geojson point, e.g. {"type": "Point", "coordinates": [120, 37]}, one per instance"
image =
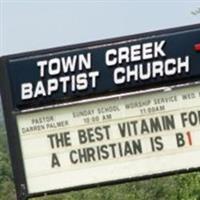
{"type": "Point", "coordinates": [27, 25]}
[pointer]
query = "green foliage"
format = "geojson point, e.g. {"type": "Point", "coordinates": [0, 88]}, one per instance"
{"type": "Point", "coordinates": [7, 191]}
{"type": "Point", "coordinates": [3, 141]}
{"type": "Point", "coordinates": [189, 187]}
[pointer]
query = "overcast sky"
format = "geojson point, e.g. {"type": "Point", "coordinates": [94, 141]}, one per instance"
{"type": "Point", "coordinates": [39, 24]}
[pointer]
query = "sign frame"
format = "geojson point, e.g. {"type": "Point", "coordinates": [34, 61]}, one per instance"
{"type": "Point", "coordinates": [10, 114]}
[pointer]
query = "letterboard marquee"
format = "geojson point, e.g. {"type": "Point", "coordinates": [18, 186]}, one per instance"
{"type": "Point", "coordinates": [103, 112]}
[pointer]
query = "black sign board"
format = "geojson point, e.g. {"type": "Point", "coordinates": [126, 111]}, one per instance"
{"type": "Point", "coordinates": [98, 69]}
{"type": "Point", "coordinates": [104, 67]}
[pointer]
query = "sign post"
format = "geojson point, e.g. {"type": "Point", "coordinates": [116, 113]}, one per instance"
{"type": "Point", "coordinates": [103, 112]}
